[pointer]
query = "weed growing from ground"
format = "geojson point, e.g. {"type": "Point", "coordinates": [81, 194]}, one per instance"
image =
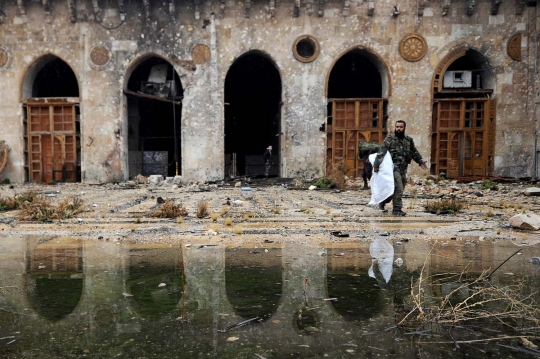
{"type": "Point", "coordinates": [169, 209]}
{"type": "Point", "coordinates": [446, 205]}
{"type": "Point", "coordinates": [228, 222]}
{"type": "Point", "coordinates": [238, 230]}
{"type": "Point", "coordinates": [202, 209]}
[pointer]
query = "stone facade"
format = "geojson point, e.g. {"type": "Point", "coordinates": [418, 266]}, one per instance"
{"type": "Point", "coordinates": [71, 30]}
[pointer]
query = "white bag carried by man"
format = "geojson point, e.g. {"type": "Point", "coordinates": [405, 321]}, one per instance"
{"type": "Point", "coordinates": [382, 182]}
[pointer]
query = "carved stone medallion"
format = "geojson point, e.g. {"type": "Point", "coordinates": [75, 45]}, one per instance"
{"type": "Point", "coordinates": [306, 48]}
{"type": "Point", "coordinates": [513, 48]}
{"type": "Point", "coordinates": [100, 56]}
{"type": "Point", "coordinates": [413, 47]}
{"type": "Point", "coordinates": [200, 54]}
{"type": "Point", "coordinates": [5, 58]}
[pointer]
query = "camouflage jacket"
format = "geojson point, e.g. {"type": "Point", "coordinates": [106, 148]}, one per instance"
{"type": "Point", "coordinates": [402, 151]}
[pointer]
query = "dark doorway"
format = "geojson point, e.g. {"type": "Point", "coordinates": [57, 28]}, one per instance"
{"type": "Point", "coordinates": [356, 110]}
{"type": "Point", "coordinates": [154, 116]}
{"type": "Point", "coordinates": [355, 76]}
{"type": "Point", "coordinates": [55, 79]}
{"type": "Point", "coordinates": [252, 115]}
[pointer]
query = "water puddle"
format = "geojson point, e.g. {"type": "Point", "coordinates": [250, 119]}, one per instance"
{"type": "Point", "coordinates": [71, 298]}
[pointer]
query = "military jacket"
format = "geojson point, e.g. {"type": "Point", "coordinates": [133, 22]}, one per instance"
{"type": "Point", "coordinates": [402, 151]}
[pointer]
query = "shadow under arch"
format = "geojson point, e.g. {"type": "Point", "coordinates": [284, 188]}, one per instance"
{"type": "Point", "coordinates": [254, 281]}
{"type": "Point", "coordinates": [154, 94]}
{"type": "Point", "coordinates": [464, 115]}
{"type": "Point", "coordinates": [54, 278]}
{"type": "Point", "coordinates": [358, 85]}
{"type": "Point", "coordinates": [49, 76]}
{"type": "Point", "coordinates": [360, 55]}
{"type": "Point", "coordinates": [252, 97]}
{"type": "Point", "coordinates": [463, 58]}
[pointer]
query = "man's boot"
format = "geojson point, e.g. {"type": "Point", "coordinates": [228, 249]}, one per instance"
{"type": "Point", "coordinates": [398, 213]}
{"type": "Point", "coordinates": [365, 186]}
{"type": "Point", "coordinates": [381, 207]}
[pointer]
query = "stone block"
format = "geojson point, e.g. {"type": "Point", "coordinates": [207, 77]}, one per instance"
{"type": "Point", "coordinates": [155, 180]}
{"type": "Point", "coordinates": [533, 191]}
{"type": "Point", "coordinates": [527, 221]}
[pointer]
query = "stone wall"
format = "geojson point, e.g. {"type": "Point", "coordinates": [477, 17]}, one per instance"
{"type": "Point", "coordinates": [30, 31]}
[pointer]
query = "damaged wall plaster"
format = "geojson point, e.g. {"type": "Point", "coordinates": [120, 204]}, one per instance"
{"type": "Point", "coordinates": [70, 30]}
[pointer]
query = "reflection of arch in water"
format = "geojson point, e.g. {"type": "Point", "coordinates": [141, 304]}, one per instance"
{"type": "Point", "coordinates": [149, 269]}
{"type": "Point", "coordinates": [254, 281]}
{"type": "Point", "coordinates": [54, 278]}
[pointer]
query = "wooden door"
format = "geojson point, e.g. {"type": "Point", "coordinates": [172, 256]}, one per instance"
{"type": "Point", "coordinates": [462, 139]}
{"type": "Point", "coordinates": [353, 121]}
{"type": "Point", "coordinates": [51, 142]}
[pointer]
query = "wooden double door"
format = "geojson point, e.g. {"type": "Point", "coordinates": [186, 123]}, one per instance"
{"type": "Point", "coordinates": [353, 121]}
{"type": "Point", "coordinates": [52, 141]}
{"type": "Point", "coordinates": [463, 137]}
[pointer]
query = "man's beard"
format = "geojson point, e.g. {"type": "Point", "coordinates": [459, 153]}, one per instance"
{"type": "Point", "coordinates": [399, 134]}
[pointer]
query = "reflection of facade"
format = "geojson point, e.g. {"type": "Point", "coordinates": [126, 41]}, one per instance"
{"type": "Point", "coordinates": [107, 321]}
{"type": "Point", "coordinates": [100, 92]}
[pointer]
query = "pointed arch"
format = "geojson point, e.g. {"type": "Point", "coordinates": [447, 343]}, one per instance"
{"type": "Point", "coordinates": [67, 84]}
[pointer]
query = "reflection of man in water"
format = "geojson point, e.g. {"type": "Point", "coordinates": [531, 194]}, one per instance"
{"type": "Point", "coordinates": [267, 161]}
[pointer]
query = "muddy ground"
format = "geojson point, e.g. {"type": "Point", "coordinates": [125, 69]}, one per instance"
{"type": "Point", "coordinates": [278, 211]}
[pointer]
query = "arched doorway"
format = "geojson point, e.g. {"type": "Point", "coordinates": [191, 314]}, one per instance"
{"type": "Point", "coordinates": [154, 101]}
{"type": "Point", "coordinates": [50, 96]}
{"type": "Point", "coordinates": [252, 115]}
{"type": "Point", "coordinates": [358, 90]}
{"type": "Point", "coordinates": [463, 121]}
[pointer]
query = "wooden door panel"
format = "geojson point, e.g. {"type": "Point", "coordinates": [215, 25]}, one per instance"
{"type": "Point", "coordinates": [463, 139]}
{"type": "Point", "coordinates": [353, 121]}
{"type": "Point", "coordinates": [52, 143]}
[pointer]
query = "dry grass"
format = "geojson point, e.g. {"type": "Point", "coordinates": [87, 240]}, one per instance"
{"type": "Point", "coordinates": [451, 205]}
{"type": "Point", "coordinates": [276, 210]}
{"type": "Point", "coordinates": [337, 174]}
{"type": "Point", "coordinates": [214, 217]}
{"type": "Point", "coordinates": [224, 211]}
{"type": "Point", "coordinates": [169, 209]}
{"type": "Point", "coordinates": [246, 217]}
{"type": "Point", "coordinates": [238, 230]}
{"type": "Point", "coordinates": [475, 307]}
{"type": "Point", "coordinates": [39, 208]}
{"type": "Point", "coordinates": [15, 202]}
{"type": "Point", "coordinates": [70, 207]}
{"type": "Point", "coordinates": [179, 220]}
{"type": "Point", "coordinates": [202, 209]}
{"type": "Point", "coordinates": [138, 219]}
{"type": "Point", "coordinates": [228, 222]}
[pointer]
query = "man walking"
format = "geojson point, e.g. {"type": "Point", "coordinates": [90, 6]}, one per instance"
{"type": "Point", "coordinates": [267, 161]}
{"type": "Point", "coordinates": [403, 151]}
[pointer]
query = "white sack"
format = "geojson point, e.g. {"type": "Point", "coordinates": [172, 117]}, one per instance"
{"type": "Point", "coordinates": [382, 254]}
{"type": "Point", "coordinates": [382, 182]}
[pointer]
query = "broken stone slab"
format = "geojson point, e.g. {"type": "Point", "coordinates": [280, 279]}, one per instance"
{"type": "Point", "coordinates": [177, 180]}
{"type": "Point", "coordinates": [532, 191]}
{"type": "Point", "coordinates": [155, 179]}
{"type": "Point", "coordinates": [168, 182]}
{"type": "Point", "coordinates": [527, 221]}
